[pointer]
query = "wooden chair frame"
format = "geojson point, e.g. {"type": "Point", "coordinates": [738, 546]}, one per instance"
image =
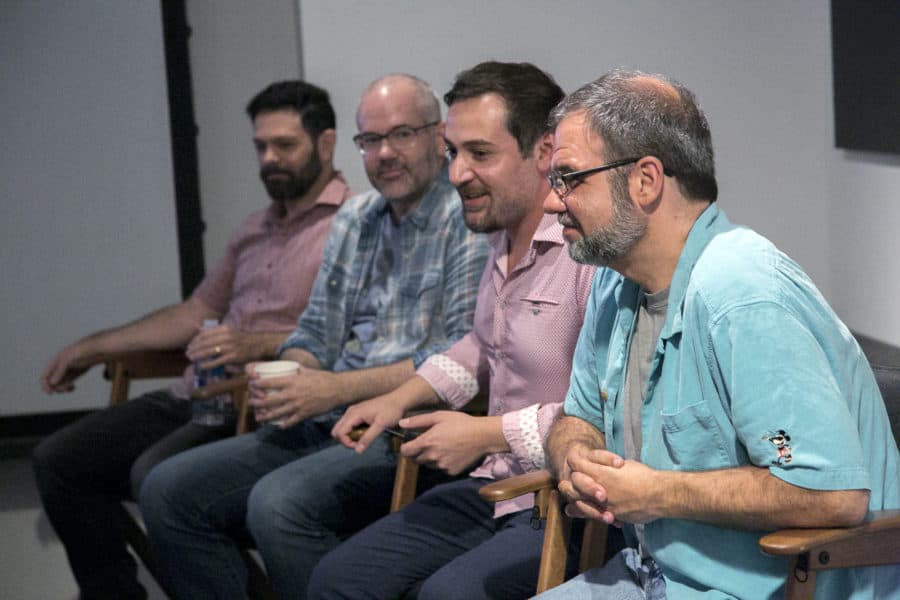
{"type": "Point", "coordinates": [875, 542]}
{"type": "Point", "coordinates": [121, 370]}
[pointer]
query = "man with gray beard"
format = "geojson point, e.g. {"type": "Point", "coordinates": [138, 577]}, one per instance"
{"type": "Point", "coordinates": [715, 395]}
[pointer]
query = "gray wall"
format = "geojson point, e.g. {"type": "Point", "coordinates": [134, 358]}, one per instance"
{"type": "Point", "coordinates": [761, 69]}
{"type": "Point", "coordinates": [88, 229]}
{"type": "Point", "coordinates": [86, 188]}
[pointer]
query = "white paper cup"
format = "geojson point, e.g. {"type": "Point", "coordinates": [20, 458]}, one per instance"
{"type": "Point", "coordinates": [276, 368]}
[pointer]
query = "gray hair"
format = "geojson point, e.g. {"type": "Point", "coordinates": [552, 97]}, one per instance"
{"type": "Point", "coordinates": [636, 114]}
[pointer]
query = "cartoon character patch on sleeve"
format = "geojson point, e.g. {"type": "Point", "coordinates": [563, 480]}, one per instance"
{"type": "Point", "coordinates": [780, 439]}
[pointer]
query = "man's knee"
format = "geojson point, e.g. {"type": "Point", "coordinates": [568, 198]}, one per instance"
{"type": "Point", "coordinates": [163, 493]}
{"type": "Point", "coordinates": [274, 509]}
{"type": "Point", "coordinates": [47, 462]}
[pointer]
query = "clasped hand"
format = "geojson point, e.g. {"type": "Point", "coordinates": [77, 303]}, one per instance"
{"type": "Point", "coordinates": [599, 484]}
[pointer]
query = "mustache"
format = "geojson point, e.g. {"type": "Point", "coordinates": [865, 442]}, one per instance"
{"type": "Point", "coordinates": [471, 190]}
{"type": "Point", "coordinates": [567, 220]}
{"type": "Point", "coordinates": [274, 170]}
{"type": "Point", "coordinates": [389, 165]}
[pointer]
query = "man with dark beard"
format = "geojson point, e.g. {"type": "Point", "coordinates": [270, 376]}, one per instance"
{"type": "Point", "coordinates": [257, 289]}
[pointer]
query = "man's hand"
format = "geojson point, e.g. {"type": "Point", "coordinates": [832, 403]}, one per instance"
{"type": "Point", "coordinates": [222, 345]}
{"type": "Point", "coordinates": [60, 374]}
{"type": "Point", "coordinates": [582, 483]}
{"type": "Point", "coordinates": [453, 440]}
{"type": "Point", "coordinates": [377, 413]}
{"type": "Point", "coordinates": [285, 401]}
{"type": "Point", "coordinates": [605, 486]}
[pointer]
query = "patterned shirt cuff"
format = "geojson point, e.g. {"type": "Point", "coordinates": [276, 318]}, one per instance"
{"type": "Point", "coordinates": [522, 433]}
{"type": "Point", "coordinates": [452, 382]}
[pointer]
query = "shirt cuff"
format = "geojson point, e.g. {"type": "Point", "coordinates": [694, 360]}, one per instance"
{"type": "Point", "coordinates": [452, 382]}
{"type": "Point", "coordinates": [522, 433]}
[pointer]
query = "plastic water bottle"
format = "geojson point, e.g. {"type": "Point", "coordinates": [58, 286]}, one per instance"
{"type": "Point", "coordinates": [218, 409]}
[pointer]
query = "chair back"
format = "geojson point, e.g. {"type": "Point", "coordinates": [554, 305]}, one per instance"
{"type": "Point", "coordinates": [888, 378]}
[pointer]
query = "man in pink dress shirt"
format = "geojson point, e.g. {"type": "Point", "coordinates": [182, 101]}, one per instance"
{"type": "Point", "coordinates": [258, 289]}
{"type": "Point", "coordinates": [530, 308]}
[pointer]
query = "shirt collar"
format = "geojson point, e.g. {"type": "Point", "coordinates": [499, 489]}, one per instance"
{"type": "Point", "coordinates": [710, 223]}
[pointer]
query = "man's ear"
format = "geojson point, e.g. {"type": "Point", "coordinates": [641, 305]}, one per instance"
{"type": "Point", "coordinates": [439, 132]}
{"type": "Point", "coordinates": [543, 152]}
{"type": "Point", "coordinates": [645, 182]}
{"type": "Point", "coordinates": [325, 145]}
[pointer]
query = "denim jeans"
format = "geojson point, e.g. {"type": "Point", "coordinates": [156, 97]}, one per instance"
{"type": "Point", "coordinates": [296, 491]}
{"type": "Point", "coordinates": [625, 577]}
{"type": "Point", "coordinates": [85, 470]}
{"type": "Point", "coordinates": [448, 540]}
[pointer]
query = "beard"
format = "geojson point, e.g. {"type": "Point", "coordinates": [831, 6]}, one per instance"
{"type": "Point", "coordinates": [499, 212]}
{"type": "Point", "coordinates": [296, 183]}
{"type": "Point", "coordinates": [610, 242]}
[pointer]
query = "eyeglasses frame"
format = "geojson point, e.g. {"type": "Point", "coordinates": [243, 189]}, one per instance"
{"type": "Point", "coordinates": [565, 178]}
{"type": "Point", "coordinates": [378, 138]}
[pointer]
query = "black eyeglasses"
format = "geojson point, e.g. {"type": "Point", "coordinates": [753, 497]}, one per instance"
{"type": "Point", "coordinates": [399, 138]}
{"type": "Point", "coordinates": [564, 183]}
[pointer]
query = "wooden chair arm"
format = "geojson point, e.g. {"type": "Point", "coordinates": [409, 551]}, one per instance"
{"type": "Point", "coordinates": [513, 487]}
{"type": "Point", "coordinates": [875, 542]}
{"type": "Point", "coordinates": [146, 364]}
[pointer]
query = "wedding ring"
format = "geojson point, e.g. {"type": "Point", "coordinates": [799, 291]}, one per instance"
{"type": "Point", "coordinates": [218, 349]}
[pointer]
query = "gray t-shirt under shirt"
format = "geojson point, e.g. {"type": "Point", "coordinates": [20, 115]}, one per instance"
{"type": "Point", "coordinates": [648, 324]}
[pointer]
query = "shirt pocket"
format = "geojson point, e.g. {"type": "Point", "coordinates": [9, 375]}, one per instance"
{"type": "Point", "coordinates": [691, 439]}
{"type": "Point", "coordinates": [539, 304]}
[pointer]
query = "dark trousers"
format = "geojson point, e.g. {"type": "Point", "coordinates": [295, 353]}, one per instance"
{"type": "Point", "coordinates": [85, 470]}
{"type": "Point", "coordinates": [448, 540]}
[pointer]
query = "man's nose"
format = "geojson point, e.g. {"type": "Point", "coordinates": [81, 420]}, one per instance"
{"type": "Point", "coordinates": [459, 171]}
{"type": "Point", "coordinates": [553, 203]}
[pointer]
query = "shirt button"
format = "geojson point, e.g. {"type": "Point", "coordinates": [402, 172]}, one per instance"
{"type": "Point", "coordinates": [333, 282]}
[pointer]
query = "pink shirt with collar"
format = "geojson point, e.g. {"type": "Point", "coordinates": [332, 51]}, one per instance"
{"type": "Point", "coordinates": [521, 346]}
{"type": "Point", "coordinates": [263, 281]}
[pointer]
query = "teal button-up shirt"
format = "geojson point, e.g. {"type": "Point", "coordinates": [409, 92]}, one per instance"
{"type": "Point", "coordinates": [752, 368]}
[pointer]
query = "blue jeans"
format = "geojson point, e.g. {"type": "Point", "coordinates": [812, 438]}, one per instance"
{"type": "Point", "coordinates": [296, 491]}
{"type": "Point", "coordinates": [85, 470]}
{"type": "Point", "coordinates": [449, 540]}
{"type": "Point", "coordinates": [624, 577]}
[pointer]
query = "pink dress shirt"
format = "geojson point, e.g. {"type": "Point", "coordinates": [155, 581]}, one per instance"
{"type": "Point", "coordinates": [263, 281]}
{"type": "Point", "coordinates": [521, 346]}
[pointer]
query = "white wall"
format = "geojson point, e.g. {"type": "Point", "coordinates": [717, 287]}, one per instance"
{"type": "Point", "coordinates": [761, 69]}
{"type": "Point", "coordinates": [864, 243]}
{"type": "Point", "coordinates": [88, 235]}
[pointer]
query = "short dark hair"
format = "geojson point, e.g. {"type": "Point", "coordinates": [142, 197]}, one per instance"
{"type": "Point", "coordinates": [529, 93]}
{"type": "Point", "coordinates": [636, 114]}
{"type": "Point", "coordinates": [309, 101]}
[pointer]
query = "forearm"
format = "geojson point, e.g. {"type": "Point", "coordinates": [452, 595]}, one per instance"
{"type": "Point", "coordinates": [263, 345]}
{"type": "Point", "coordinates": [413, 394]}
{"type": "Point", "coordinates": [169, 327]}
{"type": "Point", "coordinates": [362, 384]}
{"type": "Point", "coordinates": [304, 357]}
{"type": "Point", "coordinates": [567, 432]}
{"type": "Point", "coordinates": [752, 498]}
